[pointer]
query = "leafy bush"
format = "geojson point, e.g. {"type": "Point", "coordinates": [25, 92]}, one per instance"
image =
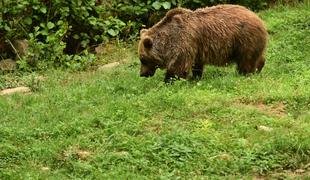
{"type": "Point", "coordinates": [149, 12]}
{"type": "Point", "coordinates": [54, 27]}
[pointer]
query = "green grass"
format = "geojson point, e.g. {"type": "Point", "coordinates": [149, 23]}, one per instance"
{"type": "Point", "coordinates": [140, 128]}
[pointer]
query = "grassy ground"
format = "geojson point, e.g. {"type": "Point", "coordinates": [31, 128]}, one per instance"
{"type": "Point", "coordinates": [114, 124]}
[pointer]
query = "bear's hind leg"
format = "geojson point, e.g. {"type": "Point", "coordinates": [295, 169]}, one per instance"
{"type": "Point", "coordinates": [260, 64]}
{"type": "Point", "coordinates": [197, 71]}
{"type": "Point", "coordinates": [246, 66]}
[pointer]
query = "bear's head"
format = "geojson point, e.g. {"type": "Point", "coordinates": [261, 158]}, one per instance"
{"type": "Point", "coordinates": [149, 54]}
{"type": "Point", "coordinates": [160, 46]}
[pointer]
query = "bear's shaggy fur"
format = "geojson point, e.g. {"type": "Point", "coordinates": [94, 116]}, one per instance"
{"type": "Point", "coordinates": [186, 40]}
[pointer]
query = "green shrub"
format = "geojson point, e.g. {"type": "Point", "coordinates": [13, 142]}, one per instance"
{"type": "Point", "coordinates": [149, 12]}
{"type": "Point", "coordinates": [54, 27]}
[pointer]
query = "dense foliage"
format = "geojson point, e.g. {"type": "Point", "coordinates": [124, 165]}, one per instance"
{"type": "Point", "coordinates": [66, 32]}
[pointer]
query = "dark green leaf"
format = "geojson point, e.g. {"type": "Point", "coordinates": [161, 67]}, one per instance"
{"type": "Point", "coordinates": [156, 5]}
{"type": "Point", "coordinates": [50, 25]}
{"type": "Point", "coordinates": [43, 10]}
{"type": "Point", "coordinates": [166, 5]}
{"type": "Point", "coordinates": [28, 20]}
{"type": "Point", "coordinates": [112, 32]}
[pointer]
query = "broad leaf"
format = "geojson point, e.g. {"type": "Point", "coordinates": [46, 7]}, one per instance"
{"type": "Point", "coordinates": [167, 5]}
{"type": "Point", "coordinates": [43, 10]}
{"type": "Point", "coordinates": [50, 25]}
{"type": "Point", "coordinates": [156, 5]}
{"type": "Point", "coordinates": [112, 32]}
{"type": "Point", "coordinates": [28, 20]}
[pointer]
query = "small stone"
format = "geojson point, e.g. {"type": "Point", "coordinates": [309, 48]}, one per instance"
{"type": "Point", "coordinates": [299, 171]}
{"type": "Point", "coordinates": [45, 168]}
{"type": "Point", "coordinates": [109, 66]}
{"type": "Point", "coordinates": [15, 90]}
{"type": "Point", "coordinates": [21, 46]}
{"type": "Point", "coordinates": [264, 128]}
{"type": "Point", "coordinates": [7, 65]}
{"type": "Point", "coordinates": [83, 154]}
{"type": "Point", "coordinates": [100, 49]}
{"type": "Point", "coordinates": [225, 157]}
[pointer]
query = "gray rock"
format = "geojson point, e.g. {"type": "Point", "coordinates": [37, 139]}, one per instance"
{"type": "Point", "coordinates": [7, 65]}
{"type": "Point", "coordinates": [109, 66]}
{"type": "Point", "coordinates": [21, 47]}
{"type": "Point", "coordinates": [100, 49]}
{"type": "Point", "coordinates": [15, 90]}
{"type": "Point", "coordinates": [264, 128]}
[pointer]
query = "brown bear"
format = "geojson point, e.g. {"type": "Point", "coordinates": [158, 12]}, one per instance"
{"type": "Point", "coordinates": [186, 40]}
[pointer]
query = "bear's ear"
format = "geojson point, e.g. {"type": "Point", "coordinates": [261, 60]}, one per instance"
{"type": "Point", "coordinates": [147, 43]}
{"type": "Point", "coordinates": [143, 31]}
{"type": "Point", "coordinates": [177, 18]}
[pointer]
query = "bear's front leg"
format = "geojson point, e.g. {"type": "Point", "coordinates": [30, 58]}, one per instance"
{"type": "Point", "coordinates": [179, 67]}
{"type": "Point", "coordinates": [169, 77]}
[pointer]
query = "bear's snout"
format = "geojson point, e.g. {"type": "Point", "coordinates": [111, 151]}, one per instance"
{"type": "Point", "coordinates": [146, 71]}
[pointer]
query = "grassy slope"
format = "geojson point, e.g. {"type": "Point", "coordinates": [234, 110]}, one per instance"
{"type": "Point", "coordinates": [139, 128]}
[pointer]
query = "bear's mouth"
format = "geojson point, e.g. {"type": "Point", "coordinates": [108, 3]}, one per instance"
{"type": "Point", "coordinates": [147, 73]}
